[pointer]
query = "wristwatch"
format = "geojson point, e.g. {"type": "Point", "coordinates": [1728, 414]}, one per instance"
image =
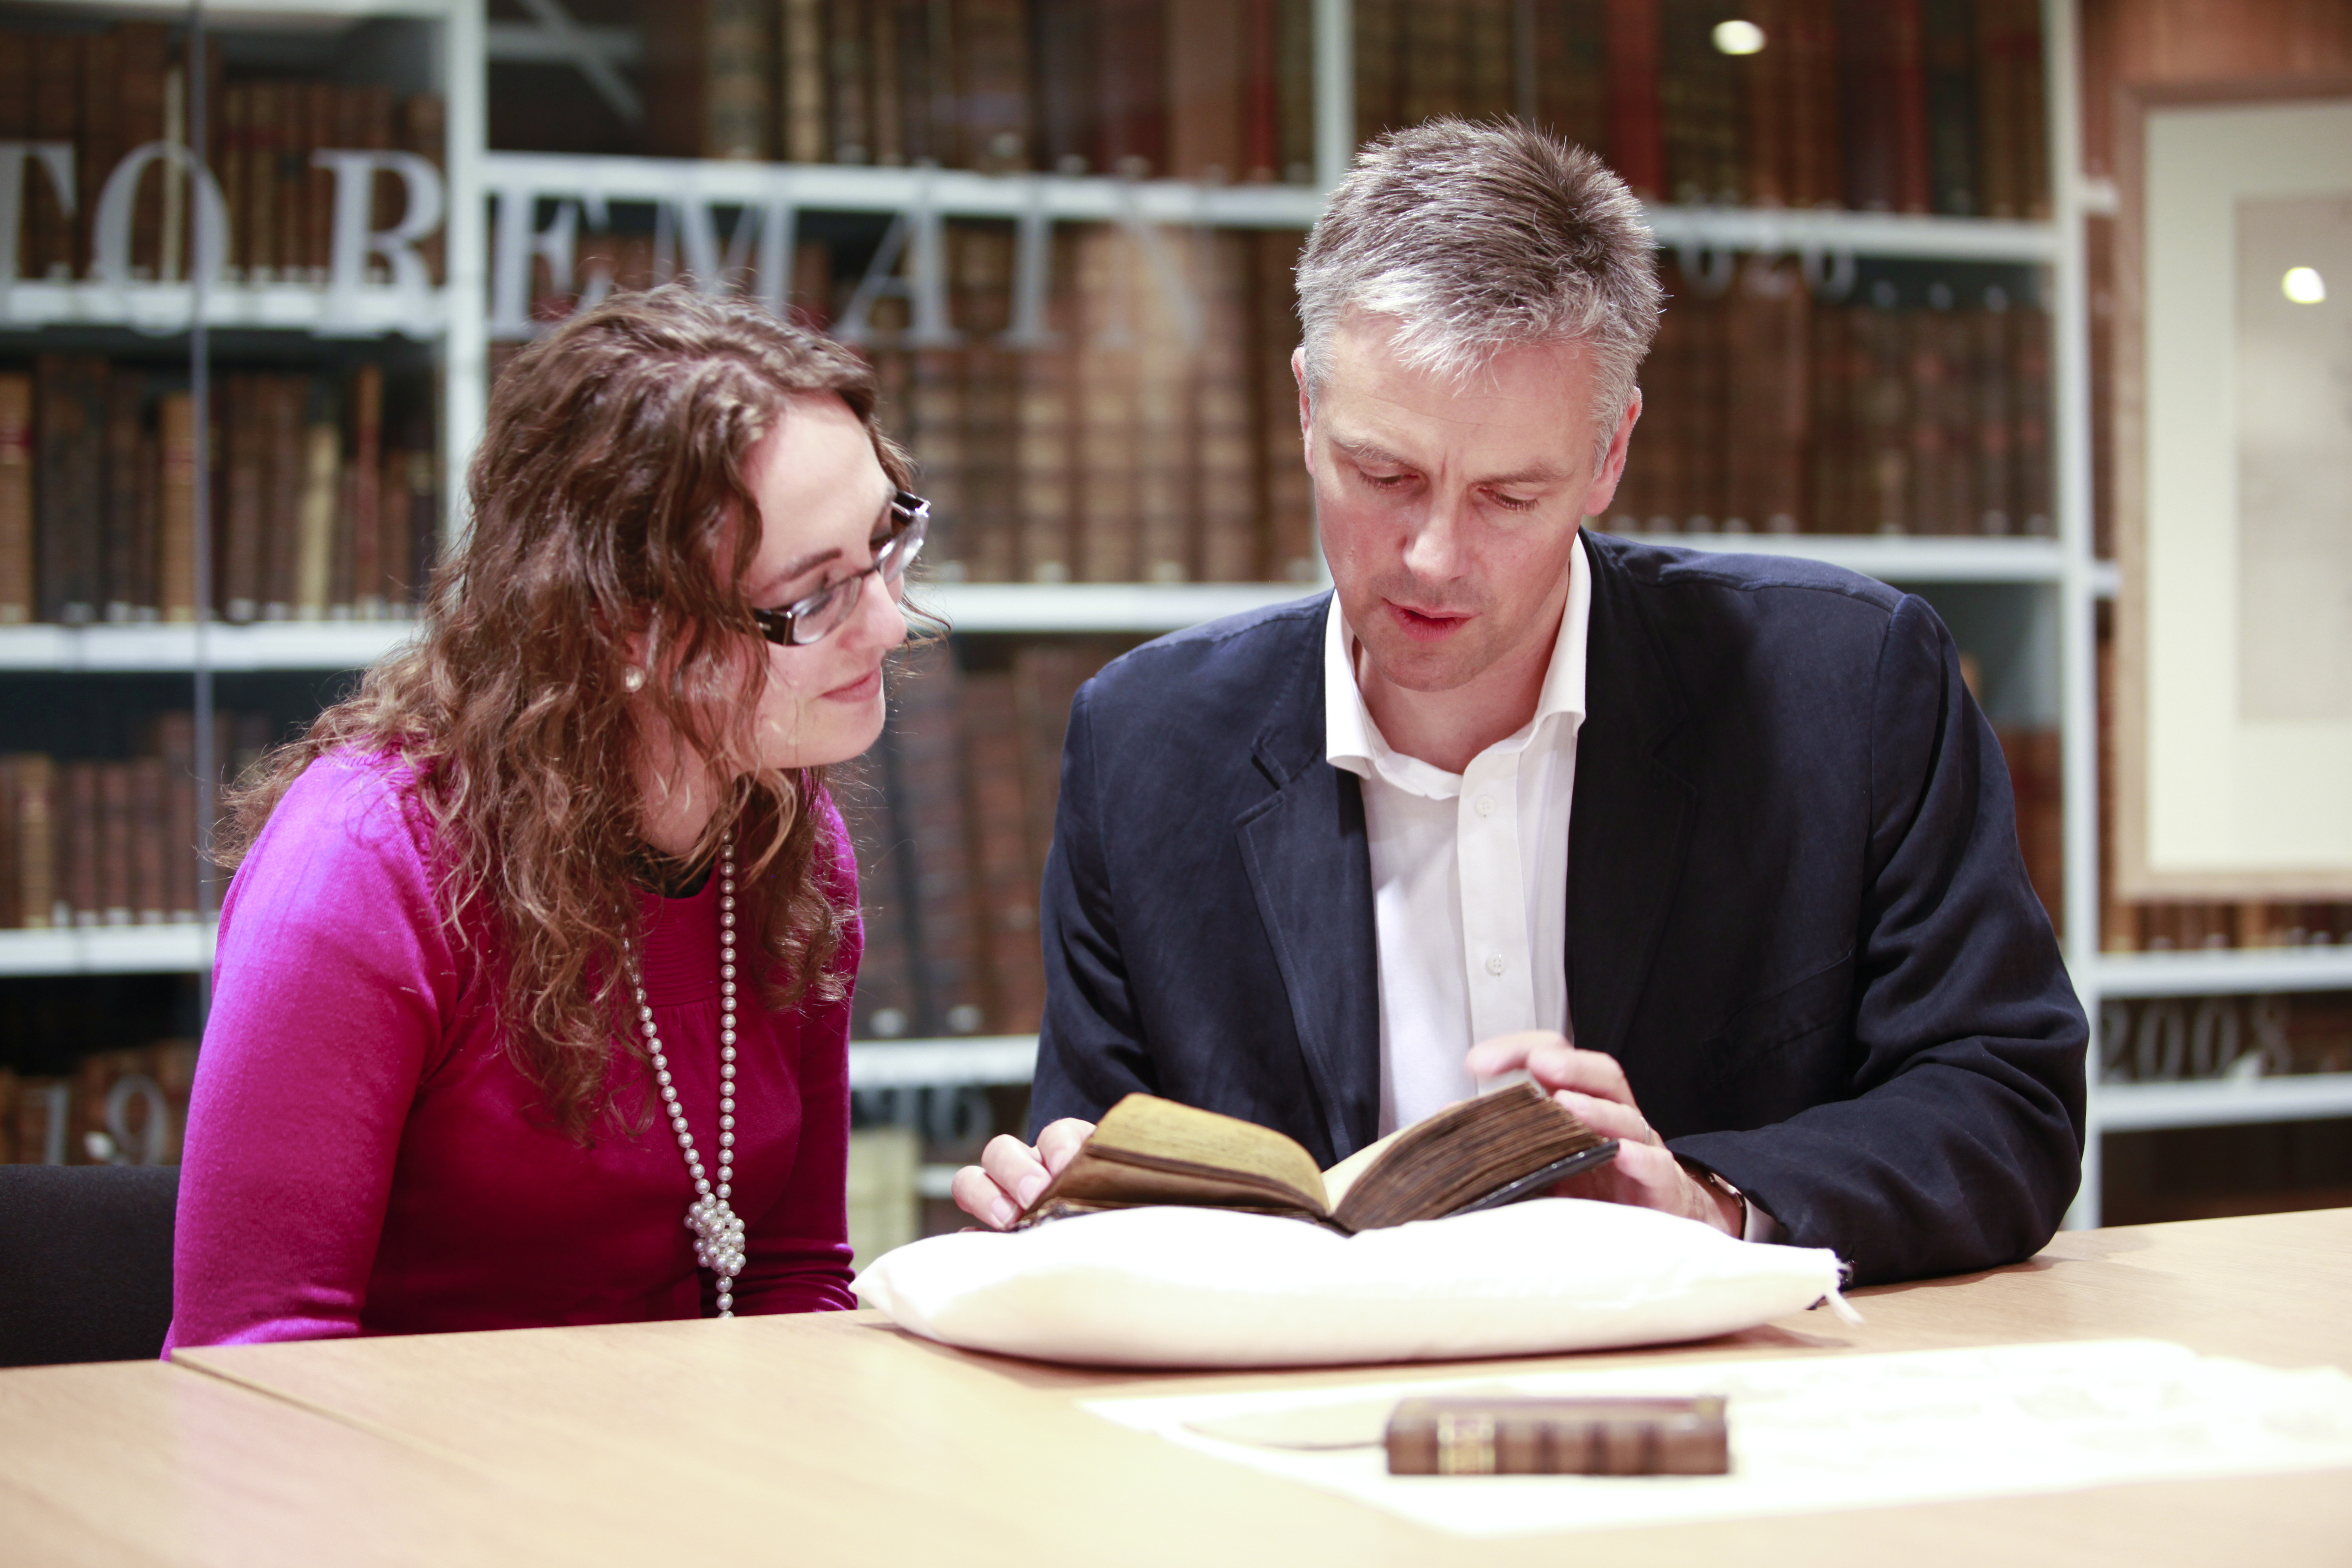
{"type": "Point", "coordinates": [1715, 1181]}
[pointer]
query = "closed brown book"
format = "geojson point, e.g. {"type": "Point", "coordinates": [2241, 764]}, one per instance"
{"type": "Point", "coordinates": [11, 912]}
{"type": "Point", "coordinates": [1534, 1437]}
{"type": "Point", "coordinates": [265, 128]}
{"type": "Point", "coordinates": [1764, 83]}
{"type": "Point", "coordinates": [1226, 450]}
{"type": "Point", "coordinates": [1571, 70]}
{"type": "Point", "coordinates": [1907, 62]}
{"type": "Point", "coordinates": [737, 70]}
{"type": "Point", "coordinates": [1883, 407]}
{"type": "Point", "coordinates": [1699, 110]}
{"type": "Point", "coordinates": [1809, 46]}
{"type": "Point", "coordinates": [150, 842]}
{"type": "Point", "coordinates": [80, 870]}
{"type": "Point", "coordinates": [944, 929]}
{"type": "Point", "coordinates": [2037, 783]}
{"type": "Point", "coordinates": [1294, 89]}
{"type": "Point", "coordinates": [1379, 33]}
{"type": "Point", "coordinates": [1766, 338]}
{"type": "Point", "coordinates": [127, 547]}
{"type": "Point", "coordinates": [1262, 158]}
{"type": "Point", "coordinates": [101, 144]}
{"type": "Point", "coordinates": [328, 120]}
{"type": "Point", "coordinates": [1001, 858]}
{"type": "Point", "coordinates": [115, 893]}
{"type": "Point", "coordinates": [1494, 1148]}
{"type": "Point", "coordinates": [1834, 461]}
{"type": "Point", "coordinates": [1490, 60]}
{"type": "Point", "coordinates": [50, 232]}
{"type": "Point", "coordinates": [1636, 145]}
{"type": "Point", "coordinates": [235, 166]}
{"type": "Point", "coordinates": [16, 602]}
{"type": "Point", "coordinates": [1867, 113]}
{"type": "Point", "coordinates": [70, 497]}
{"type": "Point", "coordinates": [1046, 474]}
{"type": "Point", "coordinates": [1207, 110]}
{"type": "Point", "coordinates": [175, 506]}
{"type": "Point", "coordinates": [285, 470]}
{"type": "Point", "coordinates": [243, 487]}
{"type": "Point", "coordinates": [849, 81]}
{"type": "Point", "coordinates": [1948, 29]}
{"type": "Point", "coordinates": [1104, 361]}
{"type": "Point", "coordinates": [1936, 341]}
{"type": "Point", "coordinates": [32, 824]}
{"type": "Point", "coordinates": [142, 53]}
{"type": "Point", "coordinates": [802, 118]}
{"type": "Point", "coordinates": [1131, 113]}
{"type": "Point", "coordinates": [1991, 418]}
{"type": "Point", "coordinates": [884, 1004]}
{"type": "Point", "coordinates": [319, 505]}
{"type": "Point", "coordinates": [1062, 65]}
{"type": "Point", "coordinates": [992, 52]}
{"type": "Point", "coordinates": [1288, 549]}
{"type": "Point", "coordinates": [981, 277]}
{"type": "Point", "coordinates": [366, 523]}
{"type": "Point", "coordinates": [1047, 675]}
{"type": "Point", "coordinates": [2028, 325]}
{"type": "Point", "coordinates": [1435, 46]}
{"type": "Point", "coordinates": [888, 107]}
{"type": "Point", "coordinates": [1169, 334]}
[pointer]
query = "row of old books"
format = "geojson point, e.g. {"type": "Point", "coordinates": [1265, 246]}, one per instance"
{"type": "Point", "coordinates": [1905, 106]}
{"type": "Point", "coordinates": [106, 93]}
{"type": "Point", "coordinates": [89, 844]}
{"type": "Point", "coordinates": [952, 815]}
{"type": "Point", "coordinates": [1147, 432]}
{"type": "Point", "coordinates": [2166, 1039]}
{"type": "Point", "coordinates": [322, 507]}
{"type": "Point", "coordinates": [126, 1107]}
{"type": "Point", "coordinates": [1216, 90]}
{"type": "Point", "coordinates": [1768, 411]}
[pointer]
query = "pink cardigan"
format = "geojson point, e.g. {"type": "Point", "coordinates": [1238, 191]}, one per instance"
{"type": "Point", "coordinates": [364, 1158]}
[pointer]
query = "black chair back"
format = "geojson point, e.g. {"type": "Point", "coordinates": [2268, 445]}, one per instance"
{"type": "Point", "coordinates": [85, 1262]}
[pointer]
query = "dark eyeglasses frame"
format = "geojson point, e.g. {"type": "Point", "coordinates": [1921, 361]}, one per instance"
{"type": "Point", "coordinates": [823, 612]}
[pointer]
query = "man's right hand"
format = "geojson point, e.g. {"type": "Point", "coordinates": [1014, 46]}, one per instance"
{"type": "Point", "coordinates": [1010, 1173]}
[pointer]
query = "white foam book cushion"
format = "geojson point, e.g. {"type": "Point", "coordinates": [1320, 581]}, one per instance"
{"type": "Point", "coordinates": [1210, 1288]}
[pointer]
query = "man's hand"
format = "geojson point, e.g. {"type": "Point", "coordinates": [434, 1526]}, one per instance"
{"type": "Point", "coordinates": [1010, 1173]}
{"type": "Point", "coordinates": [1594, 1086]}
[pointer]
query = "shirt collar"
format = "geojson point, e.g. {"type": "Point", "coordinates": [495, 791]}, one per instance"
{"type": "Point", "coordinates": [1351, 741]}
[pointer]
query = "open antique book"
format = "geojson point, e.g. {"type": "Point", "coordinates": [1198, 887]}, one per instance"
{"type": "Point", "coordinates": [1496, 1149]}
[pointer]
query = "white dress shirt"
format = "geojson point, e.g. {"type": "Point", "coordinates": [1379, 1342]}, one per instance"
{"type": "Point", "coordinates": [1469, 872]}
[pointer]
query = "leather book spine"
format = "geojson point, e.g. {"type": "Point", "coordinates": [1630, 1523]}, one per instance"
{"type": "Point", "coordinates": [1949, 49]}
{"type": "Point", "coordinates": [99, 145]}
{"type": "Point", "coordinates": [49, 236]}
{"type": "Point", "coordinates": [16, 602]}
{"type": "Point", "coordinates": [265, 123]}
{"type": "Point", "coordinates": [801, 129]}
{"type": "Point", "coordinates": [320, 515]}
{"type": "Point", "coordinates": [1907, 65]}
{"type": "Point", "coordinates": [287, 469]}
{"type": "Point", "coordinates": [1046, 477]}
{"type": "Point", "coordinates": [1434, 61]}
{"type": "Point", "coordinates": [1207, 109]}
{"type": "Point", "coordinates": [424, 131]}
{"type": "Point", "coordinates": [291, 160]}
{"type": "Point", "coordinates": [34, 823]}
{"type": "Point", "coordinates": [737, 72]}
{"type": "Point", "coordinates": [1378, 41]}
{"type": "Point", "coordinates": [1883, 403]}
{"type": "Point", "coordinates": [242, 435]}
{"type": "Point", "coordinates": [12, 886]}
{"type": "Point", "coordinates": [1107, 277]}
{"type": "Point", "coordinates": [988, 531]}
{"type": "Point", "coordinates": [1001, 858]}
{"type": "Point", "coordinates": [115, 895]}
{"type": "Point", "coordinates": [941, 934]}
{"type": "Point", "coordinates": [1288, 546]}
{"type": "Point", "coordinates": [1294, 76]}
{"type": "Point", "coordinates": [1571, 70]}
{"type": "Point", "coordinates": [1767, 339]}
{"type": "Point", "coordinates": [1809, 47]}
{"type": "Point", "coordinates": [886, 105]}
{"type": "Point", "coordinates": [1062, 49]}
{"type": "Point", "coordinates": [362, 585]}
{"type": "Point", "coordinates": [1490, 59]}
{"type": "Point", "coordinates": [848, 80]}
{"type": "Point", "coordinates": [1866, 113]}
{"type": "Point", "coordinates": [1636, 147]}
{"type": "Point", "coordinates": [935, 428]}
{"type": "Point", "coordinates": [122, 552]}
{"type": "Point", "coordinates": [1938, 413]}
{"type": "Point", "coordinates": [148, 833]}
{"type": "Point", "coordinates": [325, 117]}
{"type": "Point", "coordinates": [2029, 446]}
{"type": "Point", "coordinates": [143, 51]}
{"type": "Point", "coordinates": [1767, 115]}
{"type": "Point", "coordinates": [69, 491]}
{"type": "Point", "coordinates": [234, 164]}
{"type": "Point", "coordinates": [78, 870]}
{"type": "Point", "coordinates": [1262, 127]}
{"type": "Point", "coordinates": [884, 1004]}
{"type": "Point", "coordinates": [1165, 450]}
{"type": "Point", "coordinates": [1829, 458]}
{"type": "Point", "coordinates": [1225, 445]}
{"type": "Point", "coordinates": [1131, 112]}
{"type": "Point", "coordinates": [1559, 1436]}
{"type": "Point", "coordinates": [991, 57]}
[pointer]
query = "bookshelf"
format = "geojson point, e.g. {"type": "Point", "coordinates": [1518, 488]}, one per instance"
{"type": "Point", "coordinates": [516, 217]}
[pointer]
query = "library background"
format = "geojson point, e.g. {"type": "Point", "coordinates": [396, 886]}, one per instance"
{"type": "Point", "coordinates": [1063, 230]}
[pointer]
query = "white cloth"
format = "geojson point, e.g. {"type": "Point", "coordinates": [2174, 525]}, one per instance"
{"type": "Point", "coordinates": [1188, 1286]}
{"type": "Point", "coordinates": [1469, 872]}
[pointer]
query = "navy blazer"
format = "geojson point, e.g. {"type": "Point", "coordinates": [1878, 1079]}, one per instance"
{"type": "Point", "coordinates": [1796, 913]}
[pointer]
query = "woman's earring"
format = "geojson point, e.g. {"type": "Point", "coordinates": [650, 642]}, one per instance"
{"type": "Point", "coordinates": [632, 678]}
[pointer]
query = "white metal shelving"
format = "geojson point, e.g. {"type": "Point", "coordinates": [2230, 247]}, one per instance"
{"type": "Point", "coordinates": [372, 311]}
{"type": "Point", "coordinates": [159, 646]}
{"type": "Point", "coordinates": [177, 948]}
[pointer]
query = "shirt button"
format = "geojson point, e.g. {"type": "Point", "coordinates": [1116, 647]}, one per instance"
{"type": "Point", "coordinates": [1495, 964]}
{"type": "Point", "coordinates": [1486, 805]}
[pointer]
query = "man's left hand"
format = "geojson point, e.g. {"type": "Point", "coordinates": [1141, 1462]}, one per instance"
{"type": "Point", "coordinates": [1593, 1085]}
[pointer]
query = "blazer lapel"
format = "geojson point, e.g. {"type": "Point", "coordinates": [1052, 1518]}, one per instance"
{"type": "Point", "coordinates": [1627, 829]}
{"type": "Point", "coordinates": [1311, 872]}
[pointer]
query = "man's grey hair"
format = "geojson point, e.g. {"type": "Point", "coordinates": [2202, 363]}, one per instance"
{"type": "Point", "coordinates": [1474, 237]}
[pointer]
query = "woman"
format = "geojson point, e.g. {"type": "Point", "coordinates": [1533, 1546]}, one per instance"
{"type": "Point", "coordinates": [532, 989]}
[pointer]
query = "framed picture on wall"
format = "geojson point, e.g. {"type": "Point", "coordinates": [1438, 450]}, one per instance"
{"type": "Point", "coordinates": [2233, 652]}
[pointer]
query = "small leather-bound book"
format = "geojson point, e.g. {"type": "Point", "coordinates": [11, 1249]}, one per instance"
{"type": "Point", "coordinates": [1516, 1143]}
{"type": "Point", "coordinates": [1507, 1436]}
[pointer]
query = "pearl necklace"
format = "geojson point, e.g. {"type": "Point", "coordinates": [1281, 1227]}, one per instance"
{"type": "Point", "coordinates": [718, 1233]}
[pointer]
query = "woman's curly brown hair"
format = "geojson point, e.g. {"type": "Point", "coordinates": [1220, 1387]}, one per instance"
{"type": "Point", "coordinates": [606, 499]}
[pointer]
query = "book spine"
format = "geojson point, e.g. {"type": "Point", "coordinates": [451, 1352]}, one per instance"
{"type": "Point", "coordinates": [1227, 451]}
{"type": "Point", "coordinates": [116, 894]}
{"type": "Point", "coordinates": [265, 123]}
{"type": "Point", "coordinates": [1766, 338]}
{"type": "Point", "coordinates": [286, 468]}
{"type": "Point", "coordinates": [1062, 48]}
{"type": "Point", "coordinates": [1949, 30]}
{"type": "Point", "coordinates": [121, 590]}
{"type": "Point", "coordinates": [35, 825]}
{"type": "Point", "coordinates": [57, 117]}
{"type": "Point", "coordinates": [333, 121]}
{"type": "Point", "coordinates": [11, 910]}
{"type": "Point", "coordinates": [16, 125]}
{"type": "Point", "coordinates": [1287, 502]}
{"type": "Point", "coordinates": [243, 478]}
{"type": "Point", "coordinates": [802, 133]}
{"type": "Point", "coordinates": [884, 1004]}
{"type": "Point", "coordinates": [936, 426]}
{"type": "Point", "coordinates": [992, 85]}
{"type": "Point", "coordinates": [889, 111]}
{"type": "Point", "coordinates": [1105, 367]}
{"type": "Point", "coordinates": [848, 80]}
{"type": "Point", "coordinates": [318, 508]}
{"type": "Point", "coordinates": [1048, 487]}
{"type": "Point", "coordinates": [16, 600]}
{"type": "Point", "coordinates": [1571, 65]}
{"type": "Point", "coordinates": [1762, 81]}
{"type": "Point", "coordinates": [1207, 110]}
{"type": "Point", "coordinates": [1262, 107]}
{"type": "Point", "coordinates": [737, 70]}
{"type": "Point", "coordinates": [1131, 115]}
{"type": "Point", "coordinates": [1434, 45]}
{"type": "Point", "coordinates": [1377, 43]}
{"type": "Point", "coordinates": [945, 971]}
{"type": "Point", "coordinates": [144, 50]}
{"type": "Point", "coordinates": [99, 145]}
{"type": "Point", "coordinates": [78, 837]}
{"type": "Point", "coordinates": [980, 266]}
{"type": "Point", "coordinates": [1490, 59]}
{"type": "Point", "coordinates": [1817, 164]}
{"type": "Point", "coordinates": [1001, 860]}
{"type": "Point", "coordinates": [1907, 61]}
{"type": "Point", "coordinates": [1163, 409]}
{"type": "Point", "coordinates": [71, 407]}
{"type": "Point", "coordinates": [2029, 446]}
{"type": "Point", "coordinates": [1936, 507]}
{"type": "Point", "coordinates": [1884, 406]}
{"type": "Point", "coordinates": [1636, 145]}
{"type": "Point", "coordinates": [1294, 85]}
{"type": "Point", "coordinates": [1432, 1443]}
{"type": "Point", "coordinates": [367, 510]}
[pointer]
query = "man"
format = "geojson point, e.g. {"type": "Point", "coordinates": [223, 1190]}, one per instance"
{"type": "Point", "coordinates": [1730, 825]}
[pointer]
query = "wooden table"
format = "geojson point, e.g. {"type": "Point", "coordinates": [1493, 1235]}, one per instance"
{"type": "Point", "coordinates": [835, 1439]}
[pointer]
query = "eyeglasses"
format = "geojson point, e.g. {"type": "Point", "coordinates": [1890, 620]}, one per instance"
{"type": "Point", "coordinates": [810, 619]}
